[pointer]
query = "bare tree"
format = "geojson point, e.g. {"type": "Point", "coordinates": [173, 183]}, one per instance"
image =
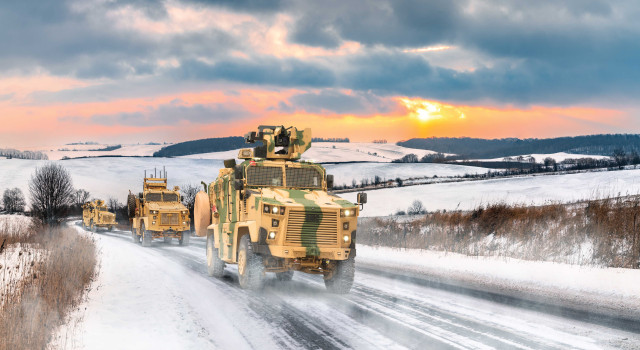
{"type": "Point", "coordinates": [13, 200]}
{"type": "Point", "coordinates": [416, 208]}
{"type": "Point", "coordinates": [188, 193]}
{"type": "Point", "coordinates": [81, 197]}
{"type": "Point", "coordinates": [113, 204]}
{"type": "Point", "coordinates": [51, 191]}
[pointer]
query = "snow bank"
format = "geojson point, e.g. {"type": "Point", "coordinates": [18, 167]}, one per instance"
{"type": "Point", "coordinates": [611, 290]}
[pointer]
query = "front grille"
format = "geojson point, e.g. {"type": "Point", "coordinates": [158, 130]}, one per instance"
{"type": "Point", "coordinates": [320, 228]}
{"type": "Point", "coordinates": [169, 219]}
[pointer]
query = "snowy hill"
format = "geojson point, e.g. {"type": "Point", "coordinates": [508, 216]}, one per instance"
{"type": "Point", "coordinates": [58, 152]}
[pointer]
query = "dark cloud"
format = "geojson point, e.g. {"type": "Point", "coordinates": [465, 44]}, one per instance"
{"type": "Point", "coordinates": [169, 114]}
{"type": "Point", "coordinates": [336, 102]}
{"type": "Point", "coordinates": [261, 70]}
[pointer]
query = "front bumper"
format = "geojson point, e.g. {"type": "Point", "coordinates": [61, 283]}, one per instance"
{"type": "Point", "coordinates": [303, 252]}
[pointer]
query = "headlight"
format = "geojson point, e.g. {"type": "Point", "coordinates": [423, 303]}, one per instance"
{"type": "Point", "coordinates": [275, 223]}
{"type": "Point", "coordinates": [184, 222]}
{"type": "Point", "coordinates": [267, 208]}
{"type": "Point", "coordinates": [345, 238]}
{"type": "Point", "coordinates": [275, 210]}
{"type": "Point", "coordinates": [347, 212]}
{"type": "Point", "coordinates": [345, 225]}
{"type": "Point", "coordinates": [272, 235]}
{"type": "Point", "coordinates": [153, 222]}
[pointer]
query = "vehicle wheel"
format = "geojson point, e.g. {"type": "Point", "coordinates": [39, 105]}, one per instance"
{"type": "Point", "coordinates": [146, 236]}
{"type": "Point", "coordinates": [131, 205]}
{"type": "Point", "coordinates": [134, 235]}
{"type": "Point", "coordinates": [250, 266]}
{"type": "Point", "coordinates": [184, 238]}
{"type": "Point", "coordinates": [342, 278]}
{"type": "Point", "coordinates": [167, 240]}
{"type": "Point", "coordinates": [110, 228]}
{"type": "Point", "coordinates": [215, 265]}
{"type": "Point", "coordinates": [92, 226]}
{"type": "Point", "coordinates": [284, 276]}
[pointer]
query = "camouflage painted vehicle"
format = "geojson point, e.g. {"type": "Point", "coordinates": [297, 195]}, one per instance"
{"type": "Point", "coordinates": [272, 213]}
{"type": "Point", "coordinates": [158, 213]}
{"type": "Point", "coordinates": [95, 214]}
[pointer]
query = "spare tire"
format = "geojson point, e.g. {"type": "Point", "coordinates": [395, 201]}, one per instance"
{"type": "Point", "coordinates": [201, 214]}
{"type": "Point", "coordinates": [131, 205]}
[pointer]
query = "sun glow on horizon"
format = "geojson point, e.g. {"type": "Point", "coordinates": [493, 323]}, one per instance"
{"type": "Point", "coordinates": [425, 110]}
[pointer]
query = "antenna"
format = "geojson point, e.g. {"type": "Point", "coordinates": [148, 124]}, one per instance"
{"type": "Point", "coordinates": [154, 173]}
{"type": "Point", "coordinates": [165, 171]}
{"type": "Point", "coordinates": [145, 174]}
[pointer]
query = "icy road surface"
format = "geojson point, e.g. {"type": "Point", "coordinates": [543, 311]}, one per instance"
{"type": "Point", "coordinates": [161, 298]}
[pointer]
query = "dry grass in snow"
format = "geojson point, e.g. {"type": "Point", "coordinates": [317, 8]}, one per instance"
{"type": "Point", "coordinates": [604, 232]}
{"type": "Point", "coordinates": [50, 270]}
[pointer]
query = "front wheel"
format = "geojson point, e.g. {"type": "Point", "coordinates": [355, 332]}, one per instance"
{"type": "Point", "coordinates": [93, 226]}
{"type": "Point", "coordinates": [146, 236]}
{"type": "Point", "coordinates": [250, 266]}
{"type": "Point", "coordinates": [215, 265]}
{"type": "Point", "coordinates": [184, 238]}
{"type": "Point", "coordinates": [167, 240]}
{"type": "Point", "coordinates": [341, 280]}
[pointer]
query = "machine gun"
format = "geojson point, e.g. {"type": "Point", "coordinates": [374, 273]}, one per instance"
{"type": "Point", "coordinates": [278, 142]}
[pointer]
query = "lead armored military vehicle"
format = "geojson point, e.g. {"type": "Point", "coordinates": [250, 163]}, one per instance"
{"type": "Point", "coordinates": [158, 213]}
{"type": "Point", "coordinates": [273, 213]}
{"type": "Point", "coordinates": [95, 214]}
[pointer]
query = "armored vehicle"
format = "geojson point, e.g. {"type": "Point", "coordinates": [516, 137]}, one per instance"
{"type": "Point", "coordinates": [273, 213]}
{"type": "Point", "coordinates": [95, 215]}
{"type": "Point", "coordinates": [158, 213]}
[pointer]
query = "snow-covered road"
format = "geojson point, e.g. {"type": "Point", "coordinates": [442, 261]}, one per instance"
{"type": "Point", "coordinates": [161, 298]}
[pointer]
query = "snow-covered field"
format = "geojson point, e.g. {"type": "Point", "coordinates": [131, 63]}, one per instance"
{"type": "Point", "coordinates": [535, 190]}
{"type": "Point", "coordinates": [58, 152]}
{"type": "Point", "coordinates": [115, 176]}
{"type": "Point", "coordinates": [558, 157]}
{"type": "Point", "coordinates": [324, 152]}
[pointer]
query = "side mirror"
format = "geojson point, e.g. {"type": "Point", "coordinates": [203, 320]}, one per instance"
{"type": "Point", "coordinates": [329, 182]}
{"type": "Point", "coordinates": [229, 163]}
{"type": "Point", "coordinates": [362, 198]}
{"type": "Point", "coordinates": [238, 185]}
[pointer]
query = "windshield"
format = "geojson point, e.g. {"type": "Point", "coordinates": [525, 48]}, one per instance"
{"type": "Point", "coordinates": [170, 197]}
{"type": "Point", "coordinates": [162, 197]}
{"type": "Point", "coordinates": [305, 177]}
{"type": "Point", "coordinates": [264, 176]}
{"type": "Point", "coordinates": [102, 209]}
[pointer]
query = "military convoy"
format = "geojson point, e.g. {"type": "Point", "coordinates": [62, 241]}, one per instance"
{"type": "Point", "coordinates": [158, 213]}
{"type": "Point", "coordinates": [273, 213]}
{"type": "Point", "coordinates": [95, 215]}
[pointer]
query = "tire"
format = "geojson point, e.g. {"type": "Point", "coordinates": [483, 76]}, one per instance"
{"type": "Point", "coordinates": [342, 279]}
{"type": "Point", "coordinates": [131, 205]}
{"type": "Point", "coordinates": [185, 237]}
{"type": "Point", "coordinates": [110, 228]}
{"type": "Point", "coordinates": [92, 226]}
{"type": "Point", "coordinates": [215, 265]}
{"type": "Point", "coordinates": [250, 266]}
{"type": "Point", "coordinates": [134, 235]}
{"type": "Point", "coordinates": [284, 276]}
{"type": "Point", "coordinates": [167, 240]}
{"type": "Point", "coordinates": [146, 236]}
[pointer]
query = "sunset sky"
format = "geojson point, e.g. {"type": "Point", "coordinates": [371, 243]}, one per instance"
{"type": "Point", "coordinates": [129, 71]}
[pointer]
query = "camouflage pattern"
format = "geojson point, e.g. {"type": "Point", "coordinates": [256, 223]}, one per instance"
{"type": "Point", "coordinates": [95, 214]}
{"type": "Point", "coordinates": [311, 228]}
{"type": "Point", "coordinates": [162, 217]}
